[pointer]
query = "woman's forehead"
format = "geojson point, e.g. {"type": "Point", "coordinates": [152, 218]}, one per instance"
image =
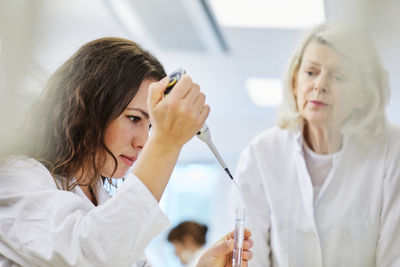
{"type": "Point", "coordinates": [317, 54]}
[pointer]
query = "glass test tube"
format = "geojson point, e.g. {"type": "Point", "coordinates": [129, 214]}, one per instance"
{"type": "Point", "coordinates": [238, 237]}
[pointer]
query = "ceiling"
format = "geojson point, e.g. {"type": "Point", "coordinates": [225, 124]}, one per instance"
{"type": "Point", "coordinates": [39, 36]}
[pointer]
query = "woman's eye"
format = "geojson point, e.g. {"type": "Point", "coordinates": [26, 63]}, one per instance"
{"type": "Point", "coordinates": [310, 73]}
{"type": "Point", "coordinates": [134, 119]}
{"type": "Point", "coordinates": [339, 78]}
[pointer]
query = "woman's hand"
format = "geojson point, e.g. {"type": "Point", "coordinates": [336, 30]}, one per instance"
{"type": "Point", "coordinates": [220, 253]}
{"type": "Point", "coordinates": [177, 117]}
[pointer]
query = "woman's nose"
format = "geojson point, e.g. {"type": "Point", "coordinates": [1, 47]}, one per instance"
{"type": "Point", "coordinates": [139, 138]}
{"type": "Point", "coordinates": [321, 83]}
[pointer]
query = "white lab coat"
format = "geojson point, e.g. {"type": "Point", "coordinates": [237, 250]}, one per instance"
{"type": "Point", "coordinates": [196, 257]}
{"type": "Point", "coordinates": [355, 220]}
{"type": "Point", "coordinates": [41, 225]}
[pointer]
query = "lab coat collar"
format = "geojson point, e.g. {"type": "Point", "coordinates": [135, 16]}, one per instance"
{"type": "Point", "coordinates": [101, 193]}
{"type": "Point", "coordinates": [300, 141]}
{"type": "Point", "coordinates": [299, 138]}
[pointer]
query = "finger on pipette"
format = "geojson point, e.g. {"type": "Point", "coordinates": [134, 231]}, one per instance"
{"type": "Point", "coordinates": [182, 87]}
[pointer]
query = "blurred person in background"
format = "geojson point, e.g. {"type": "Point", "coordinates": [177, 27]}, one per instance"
{"type": "Point", "coordinates": [188, 238]}
{"type": "Point", "coordinates": [91, 123]}
{"type": "Point", "coordinates": [323, 187]}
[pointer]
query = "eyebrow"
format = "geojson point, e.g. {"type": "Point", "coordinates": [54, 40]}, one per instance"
{"type": "Point", "coordinates": [336, 69]}
{"type": "Point", "coordinates": [144, 113]}
{"type": "Point", "coordinates": [310, 62]}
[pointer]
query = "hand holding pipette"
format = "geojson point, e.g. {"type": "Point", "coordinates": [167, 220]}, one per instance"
{"type": "Point", "coordinates": [204, 133]}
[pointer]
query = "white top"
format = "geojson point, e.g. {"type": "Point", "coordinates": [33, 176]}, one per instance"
{"type": "Point", "coordinates": [196, 257]}
{"type": "Point", "coordinates": [355, 220]}
{"type": "Point", "coordinates": [318, 165]}
{"type": "Point", "coordinates": [41, 225]}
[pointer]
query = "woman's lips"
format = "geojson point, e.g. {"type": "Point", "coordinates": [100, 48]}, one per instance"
{"type": "Point", "coordinates": [128, 160]}
{"type": "Point", "coordinates": [318, 103]}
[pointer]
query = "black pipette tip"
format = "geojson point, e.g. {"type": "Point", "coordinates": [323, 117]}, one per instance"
{"type": "Point", "coordinates": [229, 173]}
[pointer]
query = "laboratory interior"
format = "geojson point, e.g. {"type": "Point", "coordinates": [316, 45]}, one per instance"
{"type": "Point", "coordinates": [236, 50]}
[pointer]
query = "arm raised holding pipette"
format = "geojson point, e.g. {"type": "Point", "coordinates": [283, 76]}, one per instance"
{"type": "Point", "coordinates": [175, 120]}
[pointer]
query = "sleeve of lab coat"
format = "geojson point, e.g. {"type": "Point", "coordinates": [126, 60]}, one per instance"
{"type": "Point", "coordinates": [44, 226]}
{"type": "Point", "coordinates": [388, 249]}
{"type": "Point", "coordinates": [249, 178]}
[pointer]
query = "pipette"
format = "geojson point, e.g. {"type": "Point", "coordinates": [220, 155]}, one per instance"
{"type": "Point", "coordinates": [204, 133]}
{"type": "Point", "coordinates": [205, 136]}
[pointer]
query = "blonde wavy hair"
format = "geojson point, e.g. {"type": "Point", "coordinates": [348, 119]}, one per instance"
{"type": "Point", "coordinates": [355, 44]}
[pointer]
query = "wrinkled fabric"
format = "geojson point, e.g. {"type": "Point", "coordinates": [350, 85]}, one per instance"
{"type": "Point", "coordinates": [355, 220]}
{"type": "Point", "coordinates": [41, 225]}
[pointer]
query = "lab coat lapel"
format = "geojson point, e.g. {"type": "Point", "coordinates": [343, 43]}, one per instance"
{"type": "Point", "coordinates": [101, 194]}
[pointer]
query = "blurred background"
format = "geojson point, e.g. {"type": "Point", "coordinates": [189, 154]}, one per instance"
{"type": "Point", "coordinates": [237, 50]}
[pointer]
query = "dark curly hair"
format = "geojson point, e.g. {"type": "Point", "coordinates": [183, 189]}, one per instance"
{"type": "Point", "coordinates": [65, 127]}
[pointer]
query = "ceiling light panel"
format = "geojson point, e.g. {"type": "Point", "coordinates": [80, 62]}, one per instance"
{"type": "Point", "coordinates": [293, 14]}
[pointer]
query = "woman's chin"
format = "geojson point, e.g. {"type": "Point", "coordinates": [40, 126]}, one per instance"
{"type": "Point", "coordinates": [120, 173]}
{"type": "Point", "coordinates": [321, 121]}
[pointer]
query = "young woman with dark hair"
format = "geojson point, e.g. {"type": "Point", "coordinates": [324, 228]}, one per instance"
{"type": "Point", "coordinates": [90, 123]}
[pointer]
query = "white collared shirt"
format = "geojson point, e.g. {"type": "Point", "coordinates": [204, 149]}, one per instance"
{"type": "Point", "coordinates": [355, 219]}
{"type": "Point", "coordinates": [41, 225]}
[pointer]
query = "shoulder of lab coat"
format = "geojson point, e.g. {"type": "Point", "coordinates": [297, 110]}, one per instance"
{"type": "Point", "coordinates": [44, 226]}
{"type": "Point", "coordinates": [388, 247]}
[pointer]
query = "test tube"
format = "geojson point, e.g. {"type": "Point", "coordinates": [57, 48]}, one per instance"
{"type": "Point", "coordinates": [238, 237]}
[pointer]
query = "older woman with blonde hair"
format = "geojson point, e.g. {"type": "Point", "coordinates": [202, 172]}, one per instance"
{"type": "Point", "coordinates": [323, 188]}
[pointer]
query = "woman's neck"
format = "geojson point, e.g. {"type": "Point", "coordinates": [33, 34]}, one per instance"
{"type": "Point", "coordinates": [322, 140]}
{"type": "Point", "coordinates": [84, 182]}
{"type": "Point", "coordinates": [89, 193]}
